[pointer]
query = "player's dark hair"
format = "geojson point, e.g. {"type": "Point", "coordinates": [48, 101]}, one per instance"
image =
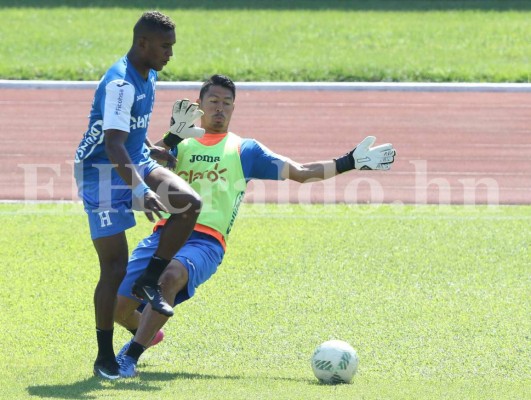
{"type": "Point", "coordinates": [152, 21]}
{"type": "Point", "coordinates": [218, 80]}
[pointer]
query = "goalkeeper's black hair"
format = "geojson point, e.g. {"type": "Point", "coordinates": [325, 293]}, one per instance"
{"type": "Point", "coordinates": [218, 80]}
{"type": "Point", "coordinates": [152, 21]}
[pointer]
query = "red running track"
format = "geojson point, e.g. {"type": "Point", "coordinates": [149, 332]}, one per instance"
{"type": "Point", "coordinates": [458, 148]}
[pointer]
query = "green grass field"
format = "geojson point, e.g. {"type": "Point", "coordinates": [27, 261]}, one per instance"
{"type": "Point", "coordinates": [438, 41]}
{"type": "Point", "coordinates": [435, 300]}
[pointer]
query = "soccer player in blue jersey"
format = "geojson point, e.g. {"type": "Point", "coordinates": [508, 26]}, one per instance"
{"type": "Point", "coordinates": [218, 166]}
{"type": "Point", "coordinates": [114, 173]}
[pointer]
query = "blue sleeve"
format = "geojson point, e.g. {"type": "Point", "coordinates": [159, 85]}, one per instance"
{"type": "Point", "coordinates": [258, 162]}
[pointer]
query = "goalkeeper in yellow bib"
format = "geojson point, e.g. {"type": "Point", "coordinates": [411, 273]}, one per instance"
{"type": "Point", "coordinates": [218, 167]}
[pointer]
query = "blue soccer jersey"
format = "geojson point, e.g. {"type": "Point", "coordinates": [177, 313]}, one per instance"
{"type": "Point", "coordinates": [124, 101]}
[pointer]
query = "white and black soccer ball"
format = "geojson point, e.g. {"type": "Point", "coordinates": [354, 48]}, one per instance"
{"type": "Point", "coordinates": [334, 361]}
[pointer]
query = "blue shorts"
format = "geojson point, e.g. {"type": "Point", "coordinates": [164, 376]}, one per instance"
{"type": "Point", "coordinates": [201, 255]}
{"type": "Point", "coordinates": [108, 201]}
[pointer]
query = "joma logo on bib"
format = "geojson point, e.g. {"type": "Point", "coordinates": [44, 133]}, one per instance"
{"type": "Point", "coordinates": [201, 157]}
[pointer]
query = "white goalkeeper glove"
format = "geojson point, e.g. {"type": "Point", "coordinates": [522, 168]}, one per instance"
{"type": "Point", "coordinates": [364, 157]}
{"type": "Point", "coordinates": [184, 114]}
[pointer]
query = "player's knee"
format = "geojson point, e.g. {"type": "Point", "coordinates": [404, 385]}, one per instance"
{"type": "Point", "coordinates": [113, 261]}
{"type": "Point", "coordinates": [188, 203]}
{"type": "Point", "coordinates": [118, 274]}
{"type": "Point", "coordinates": [113, 272]}
{"type": "Point", "coordinates": [174, 277]}
{"type": "Point", "coordinates": [195, 202]}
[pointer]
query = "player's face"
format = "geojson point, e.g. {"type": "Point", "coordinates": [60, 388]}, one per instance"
{"type": "Point", "coordinates": [218, 105]}
{"type": "Point", "coordinates": [159, 49]}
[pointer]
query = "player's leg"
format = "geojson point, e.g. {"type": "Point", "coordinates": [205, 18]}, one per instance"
{"type": "Point", "coordinates": [173, 280]}
{"type": "Point", "coordinates": [109, 216]}
{"type": "Point", "coordinates": [193, 265]}
{"type": "Point", "coordinates": [184, 205]}
{"type": "Point", "coordinates": [107, 229]}
{"type": "Point", "coordinates": [112, 253]}
{"type": "Point", "coordinates": [127, 314]}
{"type": "Point", "coordinates": [127, 304]}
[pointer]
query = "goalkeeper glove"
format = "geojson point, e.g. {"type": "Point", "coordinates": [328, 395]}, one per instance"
{"type": "Point", "coordinates": [182, 123]}
{"type": "Point", "coordinates": [364, 157]}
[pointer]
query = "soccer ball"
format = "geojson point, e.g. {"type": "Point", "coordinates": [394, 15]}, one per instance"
{"type": "Point", "coordinates": [334, 362]}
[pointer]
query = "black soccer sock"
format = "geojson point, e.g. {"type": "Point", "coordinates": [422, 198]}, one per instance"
{"type": "Point", "coordinates": [135, 350]}
{"type": "Point", "coordinates": [105, 348]}
{"type": "Point", "coordinates": [154, 269]}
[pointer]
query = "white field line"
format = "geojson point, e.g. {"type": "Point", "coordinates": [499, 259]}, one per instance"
{"type": "Point", "coordinates": [361, 211]}
{"type": "Point", "coordinates": [330, 86]}
{"type": "Point", "coordinates": [356, 217]}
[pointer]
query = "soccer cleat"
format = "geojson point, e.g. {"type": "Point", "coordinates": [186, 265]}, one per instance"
{"type": "Point", "coordinates": [127, 366]}
{"type": "Point", "coordinates": [123, 350]}
{"type": "Point", "coordinates": [152, 294]}
{"type": "Point", "coordinates": [106, 369]}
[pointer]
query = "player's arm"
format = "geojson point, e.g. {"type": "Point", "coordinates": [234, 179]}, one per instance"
{"type": "Point", "coordinates": [119, 98]}
{"type": "Point", "coordinates": [363, 156]}
{"type": "Point", "coordinates": [148, 143]}
{"type": "Point", "coordinates": [161, 143]}
{"type": "Point", "coordinates": [310, 172]}
{"type": "Point", "coordinates": [119, 157]}
{"type": "Point", "coordinates": [160, 152]}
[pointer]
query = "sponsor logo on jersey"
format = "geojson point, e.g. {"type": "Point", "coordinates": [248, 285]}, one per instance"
{"type": "Point", "coordinates": [213, 175]}
{"type": "Point", "coordinates": [119, 102]}
{"type": "Point", "coordinates": [140, 97]}
{"type": "Point", "coordinates": [93, 137]}
{"type": "Point", "coordinates": [142, 121]}
{"type": "Point", "coordinates": [204, 157]}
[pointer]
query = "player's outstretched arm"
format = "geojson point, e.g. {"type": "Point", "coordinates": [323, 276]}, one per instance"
{"type": "Point", "coordinates": [363, 157]}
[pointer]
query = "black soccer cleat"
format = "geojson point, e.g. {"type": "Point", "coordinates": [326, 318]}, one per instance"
{"type": "Point", "coordinates": [153, 295]}
{"type": "Point", "coordinates": [107, 369]}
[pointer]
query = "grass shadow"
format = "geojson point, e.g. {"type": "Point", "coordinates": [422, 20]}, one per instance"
{"type": "Point", "coordinates": [83, 389]}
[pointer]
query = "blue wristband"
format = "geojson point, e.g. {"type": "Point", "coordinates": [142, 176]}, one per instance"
{"type": "Point", "coordinates": [140, 190]}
